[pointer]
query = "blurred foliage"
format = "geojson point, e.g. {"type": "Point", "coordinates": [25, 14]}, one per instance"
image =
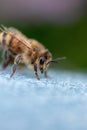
{"type": "Point", "coordinates": [68, 40]}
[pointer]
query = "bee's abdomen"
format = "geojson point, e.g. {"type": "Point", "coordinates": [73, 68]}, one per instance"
{"type": "Point", "coordinates": [11, 42]}
{"type": "Point", "coordinates": [4, 38]}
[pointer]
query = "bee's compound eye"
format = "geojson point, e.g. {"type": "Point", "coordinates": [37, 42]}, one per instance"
{"type": "Point", "coordinates": [41, 60]}
{"type": "Point", "coordinates": [46, 57]}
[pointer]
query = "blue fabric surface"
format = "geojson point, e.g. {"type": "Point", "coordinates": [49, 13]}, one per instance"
{"type": "Point", "coordinates": [56, 103]}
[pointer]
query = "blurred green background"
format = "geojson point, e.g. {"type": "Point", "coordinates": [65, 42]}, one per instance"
{"type": "Point", "coordinates": [61, 35]}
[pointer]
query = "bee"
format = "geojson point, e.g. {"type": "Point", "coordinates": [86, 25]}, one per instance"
{"type": "Point", "coordinates": [22, 50]}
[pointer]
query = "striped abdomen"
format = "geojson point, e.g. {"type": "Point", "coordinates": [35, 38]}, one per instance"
{"type": "Point", "coordinates": [11, 42]}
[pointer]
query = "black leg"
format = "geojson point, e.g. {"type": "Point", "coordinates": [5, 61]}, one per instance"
{"type": "Point", "coordinates": [45, 74]}
{"type": "Point", "coordinates": [16, 62]}
{"type": "Point", "coordinates": [35, 71]}
{"type": "Point", "coordinates": [13, 70]}
{"type": "Point", "coordinates": [7, 58]}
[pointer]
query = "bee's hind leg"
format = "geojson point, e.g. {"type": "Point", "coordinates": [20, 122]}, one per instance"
{"type": "Point", "coordinates": [7, 58]}
{"type": "Point", "coordinates": [17, 60]}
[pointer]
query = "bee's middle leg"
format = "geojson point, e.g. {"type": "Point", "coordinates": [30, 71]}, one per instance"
{"type": "Point", "coordinates": [17, 60]}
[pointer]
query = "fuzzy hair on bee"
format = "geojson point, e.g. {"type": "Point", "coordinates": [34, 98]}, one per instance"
{"type": "Point", "coordinates": [23, 50]}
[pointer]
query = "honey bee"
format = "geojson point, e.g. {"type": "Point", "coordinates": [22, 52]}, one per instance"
{"type": "Point", "coordinates": [16, 46]}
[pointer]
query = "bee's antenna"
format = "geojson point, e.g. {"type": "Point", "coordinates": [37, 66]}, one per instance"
{"type": "Point", "coordinates": [56, 60]}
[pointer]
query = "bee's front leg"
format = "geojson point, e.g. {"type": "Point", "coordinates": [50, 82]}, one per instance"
{"type": "Point", "coordinates": [35, 71]}
{"type": "Point", "coordinates": [45, 74]}
{"type": "Point", "coordinates": [17, 60]}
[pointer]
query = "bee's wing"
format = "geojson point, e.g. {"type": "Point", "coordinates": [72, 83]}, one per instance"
{"type": "Point", "coordinates": [17, 34]}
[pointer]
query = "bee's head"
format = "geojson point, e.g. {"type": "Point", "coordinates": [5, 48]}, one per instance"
{"type": "Point", "coordinates": [42, 63]}
{"type": "Point", "coordinates": [43, 60]}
